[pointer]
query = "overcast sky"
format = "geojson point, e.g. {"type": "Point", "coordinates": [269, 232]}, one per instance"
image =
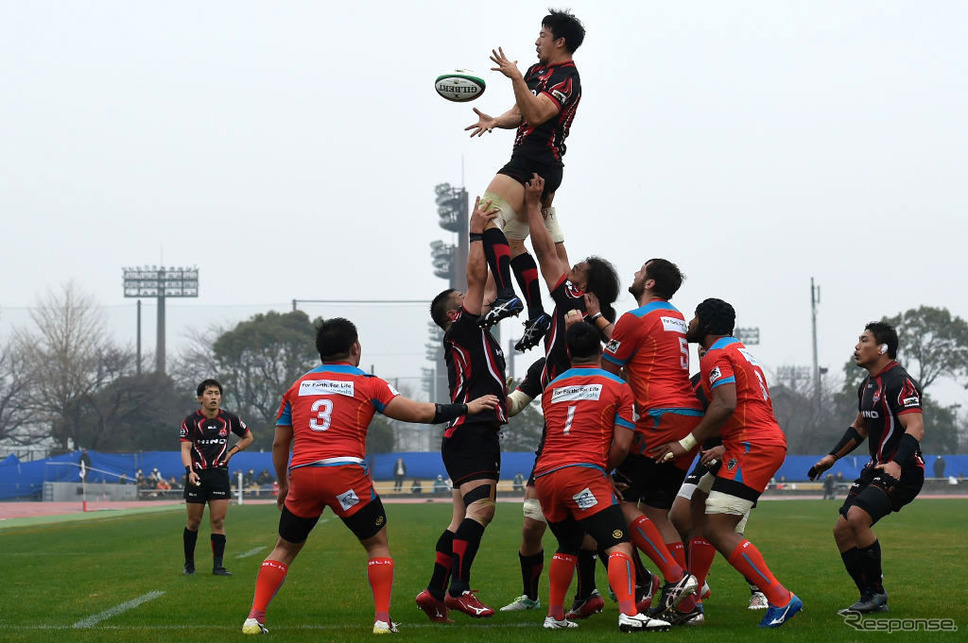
{"type": "Point", "coordinates": [290, 150]}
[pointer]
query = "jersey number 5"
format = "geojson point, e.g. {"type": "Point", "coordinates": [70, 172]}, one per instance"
{"type": "Point", "coordinates": [323, 408]}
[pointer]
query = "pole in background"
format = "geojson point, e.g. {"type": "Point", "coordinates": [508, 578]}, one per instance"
{"type": "Point", "coordinates": [814, 300]}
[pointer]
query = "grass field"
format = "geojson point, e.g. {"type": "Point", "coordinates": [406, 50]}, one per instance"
{"type": "Point", "coordinates": [80, 581]}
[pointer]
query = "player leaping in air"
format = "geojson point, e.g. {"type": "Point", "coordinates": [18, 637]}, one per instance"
{"type": "Point", "coordinates": [546, 98]}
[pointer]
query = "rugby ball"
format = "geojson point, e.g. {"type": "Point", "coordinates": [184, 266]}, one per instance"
{"type": "Point", "coordinates": [459, 85]}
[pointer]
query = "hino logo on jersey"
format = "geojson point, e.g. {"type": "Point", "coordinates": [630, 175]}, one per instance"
{"type": "Point", "coordinates": [870, 414]}
{"type": "Point", "coordinates": [204, 442]}
{"type": "Point", "coordinates": [577, 393]}
{"type": "Point", "coordinates": [326, 387]}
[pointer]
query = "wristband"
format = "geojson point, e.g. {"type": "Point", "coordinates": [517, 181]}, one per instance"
{"type": "Point", "coordinates": [188, 470]}
{"type": "Point", "coordinates": [689, 442]}
{"type": "Point", "coordinates": [907, 449]}
{"type": "Point", "coordinates": [448, 412]}
{"type": "Point", "coordinates": [850, 435]}
{"type": "Point", "coordinates": [476, 236]}
{"type": "Point", "coordinates": [595, 317]}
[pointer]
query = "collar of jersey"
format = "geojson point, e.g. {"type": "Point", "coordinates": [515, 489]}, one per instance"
{"type": "Point", "coordinates": [658, 304]}
{"type": "Point", "coordinates": [585, 371]}
{"type": "Point", "coordinates": [338, 368]}
{"type": "Point", "coordinates": [723, 342]}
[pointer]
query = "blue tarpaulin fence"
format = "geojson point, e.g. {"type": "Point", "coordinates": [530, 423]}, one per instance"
{"type": "Point", "coordinates": [26, 479]}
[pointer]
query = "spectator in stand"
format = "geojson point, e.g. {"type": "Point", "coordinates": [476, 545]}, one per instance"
{"type": "Point", "coordinates": [264, 478]}
{"type": "Point", "coordinates": [416, 487]}
{"type": "Point", "coordinates": [440, 485]}
{"type": "Point", "coordinates": [828, 487]}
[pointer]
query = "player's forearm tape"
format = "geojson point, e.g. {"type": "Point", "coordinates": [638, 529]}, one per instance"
{"type": "Point", "coordinates": [448, 412]}
{"type": "Point", "coordinates": [851, 439]}
{"type": "Point", "coordinates": [906, 450]}
{"type": "Point", "coordinates": [689, 442]}
{"type": "Point", "coordinates": [476, 236]}
{"type": "Point", "coordinates": [517, 400]}
{"type": "Point", "coordinates": [188, 469]}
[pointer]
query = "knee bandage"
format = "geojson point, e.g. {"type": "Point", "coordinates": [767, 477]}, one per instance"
{"type": "Point", "coordinates": [532, 510]}
{"type": "Point", "coordinates": [551, 222]}
{"type": "Point", "coordinates": [721, 503]}
{"type": "Point", "coordinates": [507, 219]}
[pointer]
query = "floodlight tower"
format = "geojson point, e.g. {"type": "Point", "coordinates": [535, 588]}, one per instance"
{"type": "Point", "coordinates": [160, 283]}
{"type": "Point", "coordinates": [450, 263]}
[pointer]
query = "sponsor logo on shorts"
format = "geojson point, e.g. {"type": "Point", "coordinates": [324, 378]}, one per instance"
{"type": "Point", "coordinates": [380, 520]}
{"type": "Point", "coordinates": [348, 499]}
{"type": "Point", "coordinates": [585, 499]}
{"type": "Point", "coordinates": [326, 387]}
{"type": "Point", "coordinates": [612, 346]}
{"type": "Point", "coordinates": [910, 401]}
{"type": "Point", "coordinates": [674, 324]}
{"type": "Point", "coordinates": [714, 375]}
{"type": "Point", "coordinates": [576, 393]}
{"type": "Point", "coordinates": [617, 534]}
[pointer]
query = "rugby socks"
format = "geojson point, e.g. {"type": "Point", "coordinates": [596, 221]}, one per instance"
{"type": "Point", "coordinates": [531, 567]}
{"type": "Point", "coordinates": [586, 573]}
{"type": "Point", "coordinates": [678, 553]}
{"type": "Point", "coordinates": [526, 273]}
{"type": "Point", "coordinates": [621, 580]}
{"type": "Point", "coordinates": [872, 566]}
{"type": "Point", "coordinates": [443, 562]}
{"type": "Point", "coordinates": [379, 571]}
{"type": "Point", "coordinates": [189, 538]}
{"type": "Point", "coordinates": [748, 561]}
{"type": "Point", "coordinates": [646, 537]}
{"type": "Point", "coordinates": [218, 550]}
{"type": "Point", "coordinates": [559, 578]}
{"type": "Point", "coordinates": [271, 575]}
{"type": "Point", "coordinates": [701, 556]}
{"type": "Point", "coordinates": [498, 255]}
{"type": "Point", "coordinates": [854, 563]}
{"type": "Point", "coordinates": [466, 542]}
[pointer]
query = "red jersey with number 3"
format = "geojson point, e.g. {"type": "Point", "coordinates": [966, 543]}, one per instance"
{"type": "Point", "coordinates": [729, 362]}
{"type": "Point", "coordinates": [582, 408]}
{"type": "Point", "coordinates": [650, 342]}
{"type": "Point", "coordinates": [329, 409]}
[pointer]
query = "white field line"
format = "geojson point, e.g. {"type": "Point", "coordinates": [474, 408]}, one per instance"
{"type": "Point", "coordinates": [251, 552]}
{"type": "Point", "coordinates": [90, 621]}
{"type": "Point", "coordinates": [281, 627]}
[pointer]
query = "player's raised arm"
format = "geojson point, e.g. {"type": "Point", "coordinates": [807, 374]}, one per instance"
{"type": "Point", "coordinates": [476, 262]}
{"type": "Point", "coordinates": [534, 109]}
{"type": "Point", "coordinates": [544, 246]}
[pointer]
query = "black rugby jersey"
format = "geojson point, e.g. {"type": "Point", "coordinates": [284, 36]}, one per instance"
{"type": "Point", "coordinates": [475, 367]}
{"type": "Point", "coordinates": [566, 297]}
{"type": "Point", "coordinates": [882, 399]}
{"type": "Point", "coordinates": [562, 85]}
{"type": "Point", "coordinates": [210, 436]}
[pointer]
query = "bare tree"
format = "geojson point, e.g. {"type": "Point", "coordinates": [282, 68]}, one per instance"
{"type": "Point", "coordinates": [65, 354]}
{"type": "Point", "coordinates": [14, 383]}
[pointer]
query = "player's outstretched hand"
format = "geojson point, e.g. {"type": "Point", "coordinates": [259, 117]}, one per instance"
{"type": "Point", "coordinates": [533, 190]}
{"type": "Point", "coordinates": [485, 123]}
{"type": "Point", "coordinates": [822, 465]}
{"type": "Point", "coordinates": [483, 403]}
{"type": "Point", "coordinates": [483, 212]}
{"type": "Point", "coordinates": [668, 451]}
{"type": "Point", "coordinates": [504, 65]}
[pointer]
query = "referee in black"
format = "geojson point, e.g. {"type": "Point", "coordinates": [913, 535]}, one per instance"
{"type": "Point", "coordinates": [889, 416]}
{"type": "Point", "coordinates": [205, 454]}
